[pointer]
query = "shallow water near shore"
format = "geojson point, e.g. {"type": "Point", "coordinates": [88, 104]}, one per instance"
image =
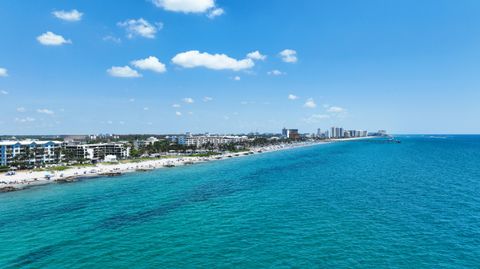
{"type": "Point", "coordinates": [359, 204]}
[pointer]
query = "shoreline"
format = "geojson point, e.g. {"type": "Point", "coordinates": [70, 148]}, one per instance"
{"type": "Point", "coordinates": [26, 179]}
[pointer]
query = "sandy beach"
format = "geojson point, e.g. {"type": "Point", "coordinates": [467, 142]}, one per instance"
{"type": "Point", "coordinates": [25, 179]}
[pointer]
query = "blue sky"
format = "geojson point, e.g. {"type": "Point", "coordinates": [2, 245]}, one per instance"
{"type": "Point", "coordinates": [166, 66]}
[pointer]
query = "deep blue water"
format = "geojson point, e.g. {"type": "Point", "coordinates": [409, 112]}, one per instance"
{"type": "Point", "coordinates": [361, 204]}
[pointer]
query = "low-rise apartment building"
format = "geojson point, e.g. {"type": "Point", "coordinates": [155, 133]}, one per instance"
{"type": "Point", "coordinates": [30, 153]}
{"type": "Point", "coordinates": [200, 141]}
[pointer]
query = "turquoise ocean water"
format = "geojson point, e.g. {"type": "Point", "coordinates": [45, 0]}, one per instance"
{"type": "Point", "coordinates": [363, 204]}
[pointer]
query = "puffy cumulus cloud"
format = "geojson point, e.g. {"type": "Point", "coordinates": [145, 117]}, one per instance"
{"type": "Point", "coordinates": [335, 109]}
{"type": "Point", "coordinates": [123, 72]}
{"type": "Point", "coordinates": [185, 6]}
{"type": "Point", "coordinates": [176, 105]}
{"type": "Point", "coordinates": [45, 111]}
{"type": "Point", "coordinates": [150, 63]}
{"type": "Point", "coordinates": [72, 15]}
{"type": "Point", "coordinates": [292, 97]}
{"type": "Point", "coordinates": [3, 72]}
{"type": "Point", "coordinates": [146, 108]}
{"type": "Point", "coordinates": [256, 55]}
{"type": "Point", "coordinates": [275, 73]}
{"type": "Point", "coordinates": [194, 58]}
{"type": "Point", "coordinates": [237, 78]}
{"type": "Point", "coordinates": [51, 39]}
{"type": "Point", "coordinates": [289, 56]}
{"type": "Point", "coordinates": [207, 99]}
{"type": "Point", "coordinates": [21, 109]}
{"type": "Point", "coordinates": [310, 103]}
{"type": "Point", "coordinates": [3, 92]}
{"type": "Point", "coordinates": [140, 27]}
{"type": "Point", "coordinates": [215, 13]}
{"type": "Point", "coordinates": [315, 118]}
{"type": "Point", "coordinates": [178, 113]}
{"type": "Point", "coordinates": [188, 100]}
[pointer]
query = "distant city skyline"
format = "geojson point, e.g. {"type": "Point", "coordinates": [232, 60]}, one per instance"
{"type": "Point", "coordinates": [162, 66]}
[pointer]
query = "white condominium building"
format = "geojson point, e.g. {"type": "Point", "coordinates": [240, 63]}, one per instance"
{"type": "Point", "coordinates": [199, 141]}
{"type": "Point", "coordinates": [96, 152]}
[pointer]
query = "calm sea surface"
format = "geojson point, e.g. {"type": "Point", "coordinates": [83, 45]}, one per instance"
{"type": "Point", "coordinates": [363, 204]}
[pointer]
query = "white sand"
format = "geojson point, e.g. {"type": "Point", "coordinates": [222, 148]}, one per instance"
{"type": "Point", "coordinates": [23, 179]}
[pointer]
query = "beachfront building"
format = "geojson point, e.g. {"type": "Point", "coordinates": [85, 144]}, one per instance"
{"type": "Point", "coordinates": [322, 135]}
{"type": "Point", "coordinates": [143, 143]}
{"type": "Point", "coordinates": [357, 133]}
{"type": "Point", "coordinates": [290, 133]}
{"type": "Point", "coordinates": [179, 139]}
{"type": "Point", "coordinates": [29, 153]}
{"type": "Point", "coordinates": [96, 152]}
{"type": "Point", "coordinates": [337, 132]}
{"type": "Point", "coordinates": [293, 134]}
{"type": "Point", "coordinates": [214, 140]}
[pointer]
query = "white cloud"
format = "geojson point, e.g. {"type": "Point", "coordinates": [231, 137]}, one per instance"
{"type": "Point", "coordinates": [24, 120]}
{"type": "Point", "coordinates": [207, 99]}
{"type": "Point", "coordinates": [123, 72]}
{"type": "Point", "coordinates": [188, 100]}
{"type": "Point", "coordinates": [237, 78]}
{"type": "Point", "coordinates": [112, 38]}
{"type": "Point", "coordinates": [176, 105]}
{"type": "Point", "coordinates": [335, 109]}
{"type": "Point", "coordinates": [215, 13]}
{"type": "Point", "coordinates": [185, 6]}
{"type": "Point", "coordinates": [72, 15]}
{"type": "Point", "coordinates": [292, 97]}
{"type": "Point", "coordinates": [193, 58]}
{"type": "Point", "coordinates": [121, 122]}
{"type": "Point", "coordinates": [131, 100]}
{"type": "Point", "coordinates": [3, 72]}
{"type": "Point", "coordinates": [256, 55]}
{"type": "Point", "coordinates": [3, 92]}
{"type": "Point", "coordinates": [289, 56]}
{"type": "Point", "coordinates": [178, 113]}
{"type": "Point", "coordinates": [316, 118]}
{"type": "Point", "coordinates": [21, 109]}
{"type": "Point", "coordinates": [140, 27]}
{"type": "Point", "coordinates": [45, 111]}
{"type": "Point", "coordinates": [310, 103]}
{"type": "Point", "coordinates": [51, 39]}
{"type": "Point", "coordinates": [275, 73]}
{"type": "Point", "coordinates": [146, 108]}
{"type": "Point", "coordinates": [151, 63]}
